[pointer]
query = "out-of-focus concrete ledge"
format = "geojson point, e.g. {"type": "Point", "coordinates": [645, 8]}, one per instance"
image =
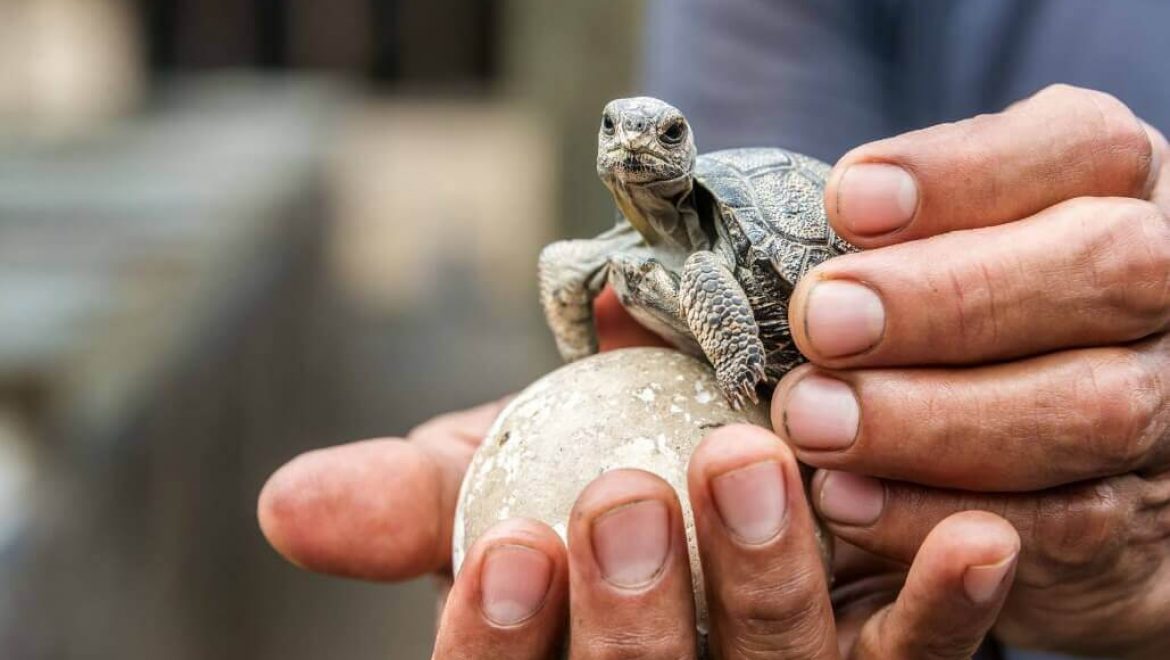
{"type": "Point", "coordinates": [122, 253]}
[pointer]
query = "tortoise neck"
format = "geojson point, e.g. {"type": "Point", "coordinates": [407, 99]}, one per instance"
{"type": "Point", "coordinates": [662, 211]}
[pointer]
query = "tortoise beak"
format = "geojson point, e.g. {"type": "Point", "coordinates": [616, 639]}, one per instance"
{"type": "Point", "coordinates": [635, 133]}
{"type": "Point", "coordinates": [637, 144]}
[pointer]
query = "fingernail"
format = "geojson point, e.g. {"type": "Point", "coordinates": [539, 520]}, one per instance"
{"type": "Point", "coordinates": [843, 318]}
{"type": "Point", "coordinates": [514, 581]}
{"type": "Point", "coordinates": [851, 499]}
{"type": "Point", "coordinates": [631, 542]}
{"type": "Point", "coordinates": [751, 500]}
{"type": "Point", "coordinates": [876, 198]}
{"type": "Point", "coordinates": [821, 413]}
{"type": "Point", "coordinates": [983, 583]}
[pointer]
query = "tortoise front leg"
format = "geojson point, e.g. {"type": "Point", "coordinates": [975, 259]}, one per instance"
{"type": "Point", "coordinates": [650, 293]}
{"type": "Point", "coordinates": [571, 274]}
{"type": "Point", "coordinates": [719, 315]}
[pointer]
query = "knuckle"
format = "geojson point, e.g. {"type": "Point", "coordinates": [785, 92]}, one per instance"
{"type": "Point", "coordinates": [620, 643]}
{"type": "Point", "coordinates": [1076, 529]}
{"type": "Point", "coordinates": [1149, 274]}
{"type": "Point", "coordinates": [776, 615]}
{"type": "Point", "coordinates": [795, 643]}
{"type": "Point", "coordinates": [1127, 142]}
{"type": "Point", "coordinates": [947, 647]}
{"type": "Point", "coordinates": [1059, 92]}
{"type": "Point", "coordinates": [797, 636]}
{"type": "Point", "coordinates": [1123, 396]}
{"type": "Point", "coordinates": [1109, 108]}
{"type": "Point", "coordinates": [1129, 256]}
{"type": "Point", "coordinates": [1118, 133]}
{"type": "Point", "coordinates": [1065, 98]}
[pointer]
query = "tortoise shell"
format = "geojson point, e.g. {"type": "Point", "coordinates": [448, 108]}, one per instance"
{"type": "Point", "coordinates": [772, 205]}
{"type": "Point", "coordinates": [771, 215]}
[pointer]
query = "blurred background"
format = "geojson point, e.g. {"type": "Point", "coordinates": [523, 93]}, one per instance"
{"type": "Point", "coordinates": [234, 230]}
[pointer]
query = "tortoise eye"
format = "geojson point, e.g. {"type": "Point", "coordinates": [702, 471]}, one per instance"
{"type": "Point", "coordinates": [607, 124]}
{"type": "Point", "coordinates": [674, 133]}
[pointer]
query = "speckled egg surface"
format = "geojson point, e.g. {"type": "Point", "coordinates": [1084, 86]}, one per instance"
{"type": "Point", "coordinates": [644, 408]}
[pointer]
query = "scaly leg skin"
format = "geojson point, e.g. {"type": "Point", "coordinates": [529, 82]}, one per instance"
{"type": "Point", "coordinates": [719, 315]}
{"type": "Point", "coordinates": [571, 274]}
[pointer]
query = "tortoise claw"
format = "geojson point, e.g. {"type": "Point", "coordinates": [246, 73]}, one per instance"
{"type": "Point", "coordinates": [740, 387]}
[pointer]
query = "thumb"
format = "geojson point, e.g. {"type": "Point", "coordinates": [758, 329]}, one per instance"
{"type": "Point", "coordinates": [953, 593]}
{"type": "Point", "coordinates": [377, 509]}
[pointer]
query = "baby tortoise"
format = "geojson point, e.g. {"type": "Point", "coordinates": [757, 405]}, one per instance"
{"type": "Point", "coordinates": [706, 250]}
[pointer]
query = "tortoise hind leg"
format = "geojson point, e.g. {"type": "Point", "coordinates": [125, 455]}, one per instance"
{"type": "Point", "coordinates": [719, 315]}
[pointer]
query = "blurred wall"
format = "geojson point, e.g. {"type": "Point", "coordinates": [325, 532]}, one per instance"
{"type": "Point", "coordinates": [235, 230]}
{"type": "Point", "coordinates": [568, 59]}
{"type": "Point", "coordinates": [66, 66]}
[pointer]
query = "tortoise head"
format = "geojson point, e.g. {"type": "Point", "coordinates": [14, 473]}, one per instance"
{"type": "Point", "coordinates": [643, 140]}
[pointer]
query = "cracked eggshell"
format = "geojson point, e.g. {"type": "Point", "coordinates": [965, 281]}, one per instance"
{"type": "Point", "coordinates": [644, 408]}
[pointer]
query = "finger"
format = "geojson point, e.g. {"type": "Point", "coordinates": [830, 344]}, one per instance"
{"type": "Point", "coordinates": [1085, 538]}
{"type": "Point", "coordinates": [1160, 193]}
{"type": "Point", "coordinates": [378, 509]}
{"type": "Point", "coordinates": [1062, 143]}
{"type": "Point", "coordinates": [1019, 426]}
{"type": "Point", "coordinates": [616, 328]}
{"type": "Point", "coordinates": [1076, 531]}
{"type": "Point", "coordinates": [510, 597]}
{"type": "Point", "coordinates": [629, 573]}
{"type": "Point", "coordinates": [954, 591]}
{"type": "Point", "coordinates": [762, 563]}
{"type": "Point", "coordinates": [1089, 272]}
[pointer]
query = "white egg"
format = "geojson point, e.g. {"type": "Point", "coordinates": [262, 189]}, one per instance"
{"type": "Point", "coordinates": [644, 408]}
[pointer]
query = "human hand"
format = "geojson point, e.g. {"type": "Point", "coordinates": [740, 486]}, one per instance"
{"type": "Point", "coordinates": [1005, 349]}
{"type": "Point", "coordinates": [382, 510]}
{"type": "Point", "coordinates": [624, 582]}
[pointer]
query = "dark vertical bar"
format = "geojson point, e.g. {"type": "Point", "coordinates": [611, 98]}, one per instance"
{"type": "Point", "coordinates": [215, 33]}
{"type": "Point", "coordinates": [385, 24]}
{"type": "Point", "coordinates": [487, 38]}
{"type": "Point", "coordinates": [158, 23]}
{"type": "Point", "coordinates": [271, 33]}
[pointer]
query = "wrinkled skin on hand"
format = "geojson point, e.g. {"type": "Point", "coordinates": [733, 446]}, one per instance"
{"type": "Point", "coordinates": [381, 509]}
{"type": "Point", "coordinates": [1003, 347]}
